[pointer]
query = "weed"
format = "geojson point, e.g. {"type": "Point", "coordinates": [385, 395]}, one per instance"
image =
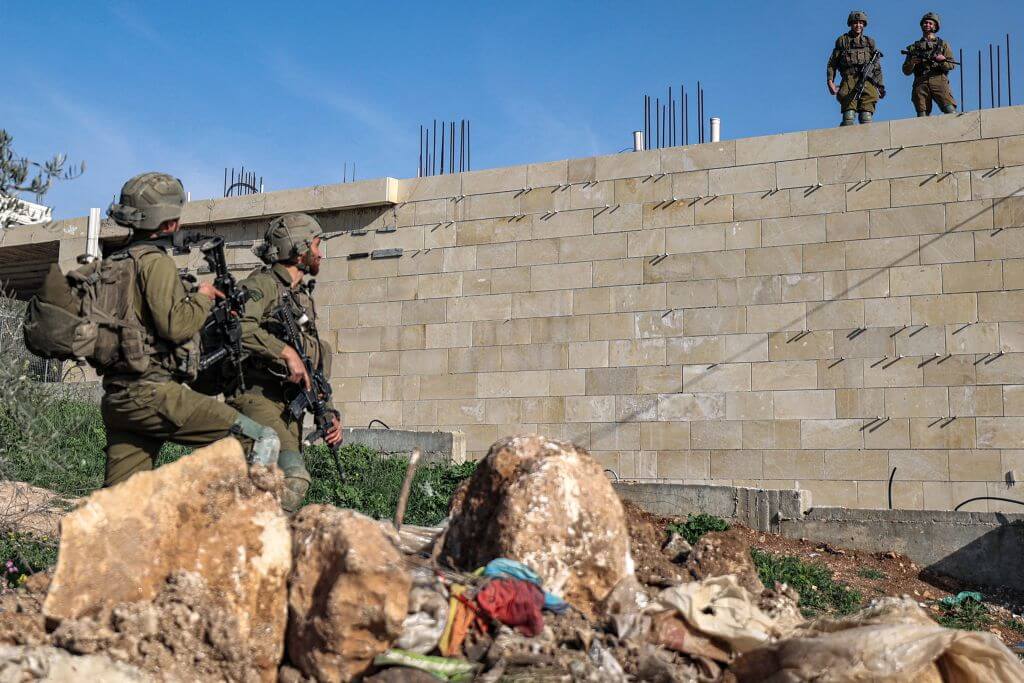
{"type": "Point", "coordinates": [819, 591]}
{"type": "Point", "coordinates": [968, 615]}
{"type": "Point", "coordinates": [696, 526]}
{"type": "Point", "coordinates": [23, 554]}
{"type": "Point", "coordinates": [869, 573]}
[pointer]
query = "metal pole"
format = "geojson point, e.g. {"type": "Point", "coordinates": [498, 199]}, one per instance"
{"type": "Point", "coordinates": [686, 119]}
{"type": "Point", "coordinates": [963, 106]}
{"type": "Point", "coordinates": [664, 126]}
{"type": "Point", "coordinates": [433, 155]}
{"type": "Point", "coordinates": [657, 121]}
{"type": "Point", "coordinates": [999, 77]}
{"type": "Point", "coordinates": [979, 79]}
{"type": "Point", "coordinates": [991, 81]}
{"type": "Point", "coordinates": [469, 148]}
{"type": "Point", "coordinates": [451, 143]}
{"type": "Point", "coordinates": [671, 119]}
{"type": "Point", "coordinates": [647, 118]}
{"type": "Point", "coordinates": [1009, 81]}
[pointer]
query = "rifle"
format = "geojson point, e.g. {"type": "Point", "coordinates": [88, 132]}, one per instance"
{"type": "Point", "coordinates": [863, 78]}
{"type": "Point", "coordinates": [316, 398]}
{"type": "Point", "coordinates": [221, 336]}
{"type": "Point", "coordinates": [927, 56]}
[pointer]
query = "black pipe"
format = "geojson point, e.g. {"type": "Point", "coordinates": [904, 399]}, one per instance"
{"type": "Point", "coordinates": [971, 500]}
{"type": "Point", "coordinates": [443, 126]}
{"type": "Point", "coordinates": [991, 81]}
{"type": "Point", "coordinates": [647, 120]}
{"type": "Point", "coordinates": [979, 79]}
{"type": "Point", "coordinates": [1009, 81]}
{"type": "Point", "coordinates": [963, 106]}
{"type": "Point", "coordinates": [999, 77]}
{"type": "Point", "coordinates": [891, 475]}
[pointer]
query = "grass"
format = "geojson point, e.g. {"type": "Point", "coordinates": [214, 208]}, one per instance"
{"type": "Point", "coordinates": [23, 554]}
{"type": "Point", "coordinates": [696, 526]}
{"type": "Point", "coordinates": [869, 573]}
{"type": "Point", "coordinates": [969, 615]}
{"type": "Point", "coordinates": [819, 592]}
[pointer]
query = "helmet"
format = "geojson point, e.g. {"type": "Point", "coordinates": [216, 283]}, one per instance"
{"type": "Point", "coordinates": [288, 237]}
{"type": "Point", "coordinates": [857, 15]}
{"type": "Point", "coordinates": [933, 16]}
{"type": "Point", "coordinates": [147, 201]}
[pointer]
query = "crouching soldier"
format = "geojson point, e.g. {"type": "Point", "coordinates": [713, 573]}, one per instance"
{"type": "Point", "coordinates": [274, 370]}
{"type": "Point", "coordinates": [857, 60]}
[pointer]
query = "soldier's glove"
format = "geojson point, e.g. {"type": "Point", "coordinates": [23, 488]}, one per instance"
{"type": "Point", "coordinates": [881, 92]}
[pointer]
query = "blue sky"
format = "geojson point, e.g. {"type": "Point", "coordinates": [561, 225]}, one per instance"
{"type": "Point", "coordinates": [296, 92]}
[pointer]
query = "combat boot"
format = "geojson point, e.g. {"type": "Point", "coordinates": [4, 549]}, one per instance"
{"type": "Point", "coordinates": [949, 109]}
{"type": "Point", "coordinates": [848, 117]}
{"type": "Point", "coordinates": [865, 117]}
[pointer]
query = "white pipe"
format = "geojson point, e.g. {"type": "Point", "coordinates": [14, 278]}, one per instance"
{"type": "Point", "coordinates": [638, 141]}
{"type": "Point", "coordinates": [716, 129]}
{"type": "Point", "coordinates": [92, 240]}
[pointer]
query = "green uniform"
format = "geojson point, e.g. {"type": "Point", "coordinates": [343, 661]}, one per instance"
{"type": "Point", "coordinates": [848, 58]}
{"type": "Point", "coordinates": [267, 394]}
{"type": "Point", "coordinates": [931, 82]}
{"type": "Point", "coordinates": [143, 409]}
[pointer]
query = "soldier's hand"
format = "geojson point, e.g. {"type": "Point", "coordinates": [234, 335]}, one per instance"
{"type": "Point", "coordinates": [832, 88]}
{"type": "Point", "coordinates": [209, 290]}
{"type": "Point", "coordinates": [334, 435]}
{"type": "Point", "coordinates": [297, 373]}
{"type": "Point", "coordinates": [939, 57]}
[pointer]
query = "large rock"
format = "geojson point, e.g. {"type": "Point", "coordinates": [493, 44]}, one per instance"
{"type": "Point", "coordinates": [548, 505]}
{"type": "Point", "coordinates": [201, 514]}
{"type": "Point", "coordinates": [348, 594]}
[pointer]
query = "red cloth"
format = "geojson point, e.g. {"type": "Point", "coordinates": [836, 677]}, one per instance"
{"type": "Point", "coordinates": [514, 603]}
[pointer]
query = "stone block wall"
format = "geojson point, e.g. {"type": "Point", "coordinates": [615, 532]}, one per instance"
{"type": "Point", "coordinates": [807, 310]}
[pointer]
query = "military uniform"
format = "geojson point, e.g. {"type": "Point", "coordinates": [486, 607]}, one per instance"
{"type": "Point", "coordinates": [931, 80]}
{"type": "Point", "coordinates": [142, 409]}
{"type": "Point", "coordinates": [267, 394]}
{"type": "Point", "coordinates": [850, 54]}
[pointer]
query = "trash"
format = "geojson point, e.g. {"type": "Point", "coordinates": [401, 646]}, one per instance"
{"type": "Point", "coordinates": [463, 616]}
{"type": "Point", "coordinates": [959, 598]}
{"type": "Point", "coordinates": [893, 639]}
{"type": "Point", "coordinates": [425, 623]}
{"type": "Point", "coordinates": [677, 548]}
{"type": "Point", "coordinates": [514, 603]}
{"type": "Point", "coordinates": [442, 667]}
{"type": "Point", "coordinates": [517, 570]}
{"type": "Point", "coordinates": [721, 608]}
{"type": "Point", "coordinates": [670, 630]}
{"type": "Point", "coordinates": [624, 607]}
{"type": "Point", "coordinates": [609, 667]}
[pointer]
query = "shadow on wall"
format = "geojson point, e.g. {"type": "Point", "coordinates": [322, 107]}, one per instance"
{"type": "Point", "coordinates": [993, 559]}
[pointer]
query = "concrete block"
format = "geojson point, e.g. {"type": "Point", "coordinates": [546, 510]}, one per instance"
{"type": "Point", "coordinates": [612, 326]}
{"type": "Point", "coordinates": [916, 402]}
{"type": "Point", "coordinates": [646, 243]}
{"type": "Point", "coordinates": [789, 346]}
{"type": "Point", "coordinates": [721, 264]}
{"type": "Point", "coordinates": [800, 465]}
{"type": "Point", "coordinates": [713, 210]}
{"type": "Point", "coordinates": [565, 329]}
{"type": "Point", "coordinates": [909, 280]}
{"type": "Point", "coordinates": [592, 354]}
{"type": "Point", "coordinates": [960, 433]}
{"type": "Point", "coordinates": [564, 224]}
{"type": "Point", "coordinates": [667, 214]}
{"type": "Point", "coordinates": [753, 205]}
{"type": "Point", "coordinates": [716, 434]}
{"type": "Point", "coordinates": [884, 252]}
{"type": "Point", "coordinates": [1002, 121]}
{"type": "Point", "coordinates": [683, 465]}
{"type": "Point", "coordinates": [776, 317]}
{"type": "Point", "coordinates": [638, 298]}
{"type": "Point", "coordinates": [856, 284]}
{"type": "Point", "coordinates": [1004, 183]}
{"type": "Point", "coordinates": [592, 195]}
{"type": "Point", "coordinates": [947, 248]}
{"type": "Point", "coordinates": [900, 163]}
{"type": "Point", "coordinates": [974, 465]}
{"type": "Point", "coordinates": [627, 352]}
{"type": "Point", "coordinates": [536, 252]}
{"type": "Point", "coordinates": [546, 174]}
{"type": "Point", "coordinates": [610, 381]}
{"type": "Point", "coordinates": [709, 321]}
{"type": "Point", "coordinates": [535, 357]}
{"type": "Point", "coordinates": [407, 337]}
{"type": "Point", "coordinates": [508, 179]}
{"type": "Point", "coordinates": [698, 157]}
{"type": "Point", "coordinates": [659, 380]}
{"type": "Point", "coordinates": [798, 230]}
{"type": "Point", "coordinates": [870, 343]}
{"type": "Point", "coordinates": [1011, 337]}
{"type": "Point", "coordinates": [697, 294]}
{"type": "Point", "coordinates": [1011, 150]}
{"type": "Point", "coordinates": [652, 324]}
{"type": "Point", "coordinates": [925, 342]}
{"type": "Point", "coordinates": [924, 190]}
{"type": "Point", "coordinates": [910, 220]}
{"type": "Point", "coordinates": [743, 235]}
{"type": "Point", "coordinates": [716, 378]}
{"type": "Point", "coordinates": [972, 277]}
{"type": "Point", "coordinates": [841, 168]}
{"type": "Point", "coordinates": [1008, 212]}
{"type": "Point", "coordinates": [744, 291]}
{"type": "Point", "coordinates": [818, 200]}
{"type": "Point", "coordinates": [641, 190]}
{"type": "Point", "coordinates": [749, 405]}
{"type": "Point", "coordinates": [738, 179]}
{"type": "Point", "coordinates": [736, 464]}
{"type": "Point", "coordinates": [863, 403]}
{"type": "Point", "coordinates": [840, 374]}
{"type": "Point", "coordinates": [530, 305]}
{"type": "Point", "coordinates": [805, 405]}
{"type": "Point", "coordinates": [851, 225]}
{"type": "Point", "coordinates": [773, 260]}
{"type": "Point", "coordinates": [771, 148]}
{"type": "Point", "coordinates": [628, 271]}
{"type": "Point", "coordinates": [972, 401]}
{"type": "Point", "coordinates": [561, 276]}
{"type": "Point", "coordinates": [782, 375]}
{"type": "Point", "coordinates": [887, 433]}
{"type": "Point", "coordinates": [691, 407]}
{"type": "Point", "coordinates": [1001, 245]}
{"type": "Point", "coordinates": [840, 465]}
{"type": "Point", "coordinates": [901, 373]}
{"type": "Point", "coordinates": [799, 173]}
{"type": "Point", "coordinates": [969, 156]}
{"type": "Point", "coordinates": [490, 307]}
{"type": "Point", "coordinates": [870, 194]}
{"type": "Point", "coordinates": [499, 332]}
{"type": "Point", "coordinates": [686, 240]}
{"type": "Point", "coordinates": [628, 165]}
{"type": "Point", "coordinates": [501, 281]}
{"type": "Point", "coordinates": [944, 308]}
{"type": "Point", "coordinates": [957, 370]}
{"type": "Point", "coordinates": [832, 141]}
{"type": "Point", "coordinates": [823, 257]}
{"type": "Point", "coordinates": [831, 315]}
{"type": "Point", "coordinates": [935, 129]}
{"type": "Point", "coordinates": [831, 434]}
{"type": "Point", "coordinates": [802, 287]}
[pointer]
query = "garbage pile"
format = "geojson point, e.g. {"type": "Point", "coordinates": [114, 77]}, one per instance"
{"type": "Point", "coordinates": [192, 573]}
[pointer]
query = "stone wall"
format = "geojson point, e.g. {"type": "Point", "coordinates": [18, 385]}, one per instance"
{"type": "Point", "coordinates": [806, 310]}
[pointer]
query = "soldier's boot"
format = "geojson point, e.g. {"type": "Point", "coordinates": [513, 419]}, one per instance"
{"type": "Point", "coordinates": [949, 109]}
{"type": "Point", "coordinates": [296, 480]}
{"type": "Point", "coordinates": [265, 443]}
{"type": "Point", "coordinates": [848, 117]}
{"type": "Point", "coordinates": [921, 112]}
{"type": "Point", "coordinates": [865, 117]}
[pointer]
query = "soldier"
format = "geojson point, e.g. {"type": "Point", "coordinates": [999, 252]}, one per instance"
{"type": "Point", "coordinates": [144, 401]}
{"type": "Point", "coordinates": [291, 250]}
{"type": "Point", "coordinates": [853, 52]}
{"type": "Point", "coordinates": [930, 59]}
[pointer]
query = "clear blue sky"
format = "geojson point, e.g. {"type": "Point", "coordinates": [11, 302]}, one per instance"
{"type": "Point", "coordinates": [295, 91]}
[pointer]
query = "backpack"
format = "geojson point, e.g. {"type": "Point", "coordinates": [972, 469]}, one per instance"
{"type": "Point", "coordinates": [89, 315]}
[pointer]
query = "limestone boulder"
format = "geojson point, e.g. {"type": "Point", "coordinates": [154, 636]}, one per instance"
{"type": "Point", "coordinates": [548, 505]}
{"type": "Point", "coordinates": [348, 594]}
{"type": "Point", "coordinates": [203, 514]}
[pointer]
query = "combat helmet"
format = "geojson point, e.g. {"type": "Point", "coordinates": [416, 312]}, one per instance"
{"type": "Point", "coordinates": [857, 15]}
{"type": "Point", "coordinates": [147, 201]}
{"type": "Point", "coordinates": [287, 238]}
{"type": "Point", "coordinates": [933, 16]}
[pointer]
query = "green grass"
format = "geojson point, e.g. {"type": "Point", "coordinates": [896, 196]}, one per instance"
{"type": "Point", "coordinates": [819, 592]}
{"type": "Point", "coordinates": [23, 554]}
{"type": "Point", "coordinates": [969, 615]}
{"type": "Point", "coordinates": [696, 526]}
{"type": "Point", "coordinates": [869, 573]}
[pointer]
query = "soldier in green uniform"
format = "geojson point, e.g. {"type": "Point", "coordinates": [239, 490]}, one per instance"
{"type": "Point", "coordinates": [145, 402]}
{"type": "Point", "coordinates": [291, 250]}
{"type": "Point", "coordinates": [930, 59]}
{"type": "Point", "coordinates": [852, 52]}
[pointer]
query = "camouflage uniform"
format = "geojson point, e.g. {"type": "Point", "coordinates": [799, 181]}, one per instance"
{"type": "Point", "coordinates": [267, 394]}
{"type": "Point", "coordinates": [848, 58]}
{"type": "Point", "coordinates": [931, 80]}
{"type": "Point", "coordinates": [142, 410]}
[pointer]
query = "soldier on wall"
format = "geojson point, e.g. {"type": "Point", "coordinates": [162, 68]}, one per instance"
{"type": "Point", "coordinates": [930, 60]}
{"type": "Point", "coordinates": [857, 60]}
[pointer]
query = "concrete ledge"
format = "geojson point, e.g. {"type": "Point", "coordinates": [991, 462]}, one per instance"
{"type": "Point", "coordinates": [449, 447]}
{"type": "Point", "coordinates": [980, 548]}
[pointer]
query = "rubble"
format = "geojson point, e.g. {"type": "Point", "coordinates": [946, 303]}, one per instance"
{"type": "Point", "coordinates": [200, 514]}
{"type": "Point", "coordinates": [53, 665]}
{"type": "Point", "coordinates": [348, 594]}
{"type": "Point", "coordinates": [548, 505]}
{"type": "Point", "coordinates": [720, 553]}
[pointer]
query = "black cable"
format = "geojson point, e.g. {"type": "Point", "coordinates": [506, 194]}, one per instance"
{"type": "Point", "coordinates": [891, 475]}
{"type": "Point", "coordinates": [370, 426]}
{"type": "Point", "coordinates": [971, 500]}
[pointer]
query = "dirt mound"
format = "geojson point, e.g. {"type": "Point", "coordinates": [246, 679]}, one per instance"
{"type": "Point", "coordinates": [21, 613]}
{"type": "Point", "coordinates": [186, 633]}
{"type": "Point", "coordinates": [724, 552]}
{"type": "Point", "coordinates": [646, 538]}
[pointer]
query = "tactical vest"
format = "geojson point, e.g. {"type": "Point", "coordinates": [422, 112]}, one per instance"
{"type": "Point", "coordinates": [301, 304]}
{"type": "Point", "coordinates": [91, 315]}
{"type": "Point", "coordinates": [925, 49]}
{"type": "Point", "coordinates": [855, 53]}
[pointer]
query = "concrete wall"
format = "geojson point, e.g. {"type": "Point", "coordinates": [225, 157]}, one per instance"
{"type": "Point", "coordinates": [980, 548]}
{"type": "Point", "coordinates": [805, 310]}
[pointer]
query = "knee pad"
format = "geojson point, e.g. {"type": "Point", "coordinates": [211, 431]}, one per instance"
{"type": "Point", "coordinates": [848, 117]}
{"type": "Point", "coordinates": [865, 117]}
{"type": "Point", "coordinates": [296, 480]}
{"type": "Point", "coordinates": [266, 443]}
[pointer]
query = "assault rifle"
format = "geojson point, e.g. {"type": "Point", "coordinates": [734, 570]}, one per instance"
{"type": "Point", "coordinates": [864, 77]}
{"type": "Point", "coordinates": [927, 55]}
{"type": "Point", "coordinates": [221, 335]}
{"type": "Point", "coordinates": [316, 398]}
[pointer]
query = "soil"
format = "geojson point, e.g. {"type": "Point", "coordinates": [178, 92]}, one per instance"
{"type": "Point", "coordinates": [31, 509]}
